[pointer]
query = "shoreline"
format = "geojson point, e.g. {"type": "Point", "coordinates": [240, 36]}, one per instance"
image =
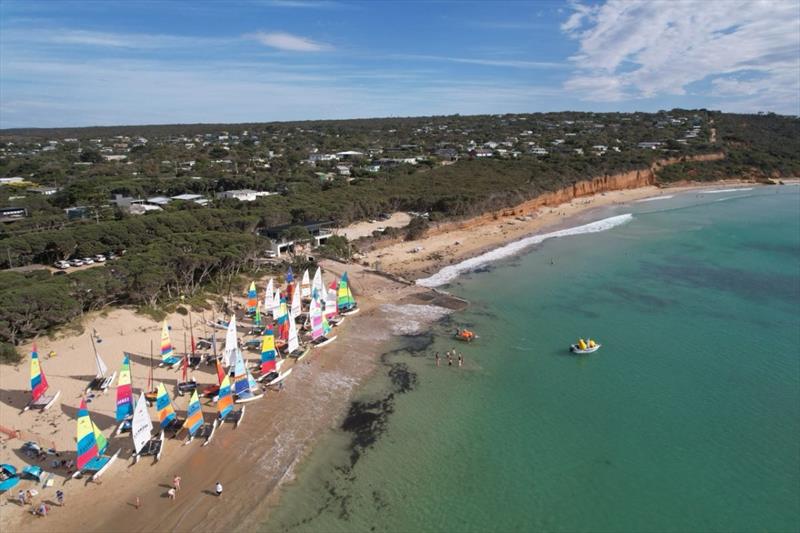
{"type": "Point", "coordinates": [276, 436]}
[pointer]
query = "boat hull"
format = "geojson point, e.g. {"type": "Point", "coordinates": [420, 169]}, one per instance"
{"type": "Point", "coordinates": [576, 350]}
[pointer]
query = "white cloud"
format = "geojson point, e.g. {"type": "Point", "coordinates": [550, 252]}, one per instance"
{"type": "Point", "coordinates": [287, 41]}
{"type": "Point", "coordinates": [512, 63]}
{"type": "Point", "coordinates": [644, 49]}
{"type": "Point", "coordinates": [89, 38]}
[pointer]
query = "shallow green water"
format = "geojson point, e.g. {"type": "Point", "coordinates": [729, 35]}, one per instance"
{"type": "Point", "coordinates": [686, 420]}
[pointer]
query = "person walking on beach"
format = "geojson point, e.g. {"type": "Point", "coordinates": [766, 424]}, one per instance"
{"type": "Point", "coordinates": [176, 482]}
{"type": "Point", "coordinates": [171, 493]}
{"type": "Point", "coordinates": [218, 489]}
{"type": "Point", "coordinates": [60, 498]}
{"type": "Point", "coordinates": [437, 358]}
{"type": "Point", "coordinates": [21, 498]}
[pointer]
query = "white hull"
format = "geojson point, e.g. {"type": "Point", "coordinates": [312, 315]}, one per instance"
{"type": "Point", "coordinates": [280, 378]}
{"type": "Point", "coordinates": [44, 403]}
{"type": "Point", "coordinates": [574, 349]}
{"type": "Point", "coordinates": [327, 340]}
{"type": "Point", "coordinates": [105, 466]}
{"type": "Point", "coordinates": [211, 435]}
{"type": "Point", "coordinates": [249, 398]}
{"type": "Point", "coordinates": [351, 312]}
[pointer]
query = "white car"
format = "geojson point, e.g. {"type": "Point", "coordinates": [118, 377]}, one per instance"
{"type": "Point", "coordinates": [76, 262]}
{"type": "Point", "coordinates": [62, 264]}
{"type": "Point", "coordinates": [88, 261]}
{"type": "Point", "coordinates": [100, 258]}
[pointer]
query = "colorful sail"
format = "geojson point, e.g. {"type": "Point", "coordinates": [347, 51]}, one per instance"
{"type": "Point", "coordinates": [292, 342]}
{"type": "Point", "coordinates": [231, 342]}
{"type": "Point", "coordinates": [326, 326]}
{"type": "Point", "coordinates": [283, 320]}
{"type": "Point", "coordinates": [224, 399]}
{"type": "Point", "coordinates": [289, 276]}
{"type": "Point", "coordinates": [345, 300]}
{"type": "Point", "coordinates": [142, 426]}
{"type": "Point", "coordinates": [38, 379]}
{"type": "Point", "coordinates": [240, 385]}
{"type": "Point", "coordinates": [295, 309]}
{"type": "Point", "coordinates": [267, 352]}
{"type": "Point", "coordinates": [124, 392]}
{"type": "Point", "coordinates": [305, 285]}
{"type": "Point", "coordinates": [100, 439]}
{"type": "Point", "coordinates": [166, 345]}
{"type": "Point", "coordinates": [330, 301]}
{"type": "Point", "coordinates": [251, 298]}
{"type": "Point", "coordinates": [316, 319]}
{"type": "Point", "coordinates": [166, 413]}
{"type": "Point", "coordinates": [87, 443]}
{"type": "Point", "coordinates": [257, 319]}
{"type": "Point", "coordinates": [220, 372]}
{"type": "Point", "coordinates": [194, 416]}
{"type": "Point", "coordinates": [252, 384]}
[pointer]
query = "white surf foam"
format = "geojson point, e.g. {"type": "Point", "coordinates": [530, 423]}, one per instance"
{"type": "Point", "coordinates": [717, 191]}
{"type": "Point", "coordinates": [655, 198]}
{"type": "Point", "coordinates": [451, 272]}
{"type": "Point", "coordinates": [413, 318]}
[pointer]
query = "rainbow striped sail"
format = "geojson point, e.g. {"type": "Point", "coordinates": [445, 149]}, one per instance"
{"type": "Point", "coordinates": [194, 417]}
{"type": "Point", "coordinates": [283, 320]}
{"type": "Point", "coordinates": [166, 413]}
{"type": "Point", "coordinates": [251, 298]}
{"type": "Point", "coordinates": [87, 442]}
{"type": "Point", "coordinates": [225, 398]}
{"type": "Point", "coordinates": [124, 392]}
{"type": "Point", "coordinates": [345, 300]}
{"type": "Point", "coordinates": [167, 353]}
{"type": "Point", "coordinates": [267, 352]}
{"type": "Point", "coordinates": [38, 379]}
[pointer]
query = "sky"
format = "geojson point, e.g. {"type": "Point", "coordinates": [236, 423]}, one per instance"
{"type": "Point", "coordinates": [70, 63]}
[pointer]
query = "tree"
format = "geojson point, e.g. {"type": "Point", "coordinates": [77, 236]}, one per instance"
{"type": "Point", "coordinates": [91, 156]}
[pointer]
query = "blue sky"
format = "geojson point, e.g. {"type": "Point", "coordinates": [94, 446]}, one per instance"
{"type": "Point", "coordinates": [68, 63]}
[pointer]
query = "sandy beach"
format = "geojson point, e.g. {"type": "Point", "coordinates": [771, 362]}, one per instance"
{"type": "Point", "coordinates": [278, 431]}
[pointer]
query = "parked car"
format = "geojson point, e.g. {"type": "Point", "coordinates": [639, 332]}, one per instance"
{"type": "Point", "coordinates": [62, 264]}
{"type": "Point", "coordinates": [76, 262]}
{"type": "Point", "coordinates": [100, 258]}
{"type": "Point", "coordinates": [88, 261]}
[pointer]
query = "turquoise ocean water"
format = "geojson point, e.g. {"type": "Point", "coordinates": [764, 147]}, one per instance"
{"type": "Point", "coordinates": [688, 418]}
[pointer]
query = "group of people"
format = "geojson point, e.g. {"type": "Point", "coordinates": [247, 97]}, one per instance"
{"type": "Point", "coordinates": [450, 354]}
{"type": "Point", "coordinates": [26, 498]}
{"type": "Point", "coordinates": [176, 486]}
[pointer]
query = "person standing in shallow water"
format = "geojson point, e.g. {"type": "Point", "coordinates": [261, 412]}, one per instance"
{"type": "Point", "coordinates": [437, 358]}
{"type": "Point", "coordinates": [460, 360]}
{"type": "Point", "coordinates": [449, 359]}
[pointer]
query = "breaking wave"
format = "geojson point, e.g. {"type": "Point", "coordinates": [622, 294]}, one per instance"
{"type": "Point", "coordinates": [451, 272]}
{"type": "Point", "coordinates": [654, 198]}
{"type": "Point", "coordinates": [717, 191]}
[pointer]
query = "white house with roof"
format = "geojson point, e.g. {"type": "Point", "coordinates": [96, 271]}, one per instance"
{"type": "Point", "coordinates": [244, 195]}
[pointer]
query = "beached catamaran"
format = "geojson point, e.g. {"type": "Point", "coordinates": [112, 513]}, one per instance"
{"type": "Point", "coordinates": [319, 335]}
{"type": "Point", "coordinates": [168, 357]}
{"type": "Point", "coordinates": [101, 382]}
{"type": "Point", "coordinates": [166, 412]}
{"type": "Point", "coordinates": [124, 412]}
{"type": "Point", "coordinates": [39, 400]}
{"type": "Point", "coordinates": [195, 423]}
{"type": "Point", "coordinates": [92, 446]}
{"type": "Point", "coordinates": [293, 347]}
{"type": "Point", "coordinates": [244, 386]}
{"type": "Point", "coordinates": [270, 368]}
{"type": "Point", "coordinates": [225, 405]}
{"type": "Point", "coordinates": [144, 444]}
{"type": "Point", "coordinates": [345, 301]}
{"type": "Point", "coordinates": [231, 343]}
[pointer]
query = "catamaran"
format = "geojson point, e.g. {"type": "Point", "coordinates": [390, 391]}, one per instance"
{"type": "Point", "coordinates": [319, 335]}
{"type": "Point", "coordinates": [166, 412]}
{"type": "Point", "coordinates": [92, 446]}
{"type": "Point", "coordinates": [195, 423]}
{"type": "Point", "coordinates": [270, 368]}
{"type": "Point", "coordinates": [225, 405]}
{"type": "Point", "coordinates": [144, 444]}
{"type": "Point", "coordinates": [345, 301]}
{"type": "Point", "coordinates": [39, 400]}
{"type": "Point", "coordinates": [244, 386]}
{"type": "Point", "coordinates": [101, 382]}
{"type": "Point", "coordinates": [124, 412]}
{"type": "Point", "coordinates": [168, 357]}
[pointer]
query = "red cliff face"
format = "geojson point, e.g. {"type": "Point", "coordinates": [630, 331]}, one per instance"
{"type": "Point", "coordinates": [613, 182]}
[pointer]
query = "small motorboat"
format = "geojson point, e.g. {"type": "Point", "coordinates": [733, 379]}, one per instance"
{"type": "Point", "coordinates": [582, 348]}
{"type": "Point", "coordinates": [465, 335]}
